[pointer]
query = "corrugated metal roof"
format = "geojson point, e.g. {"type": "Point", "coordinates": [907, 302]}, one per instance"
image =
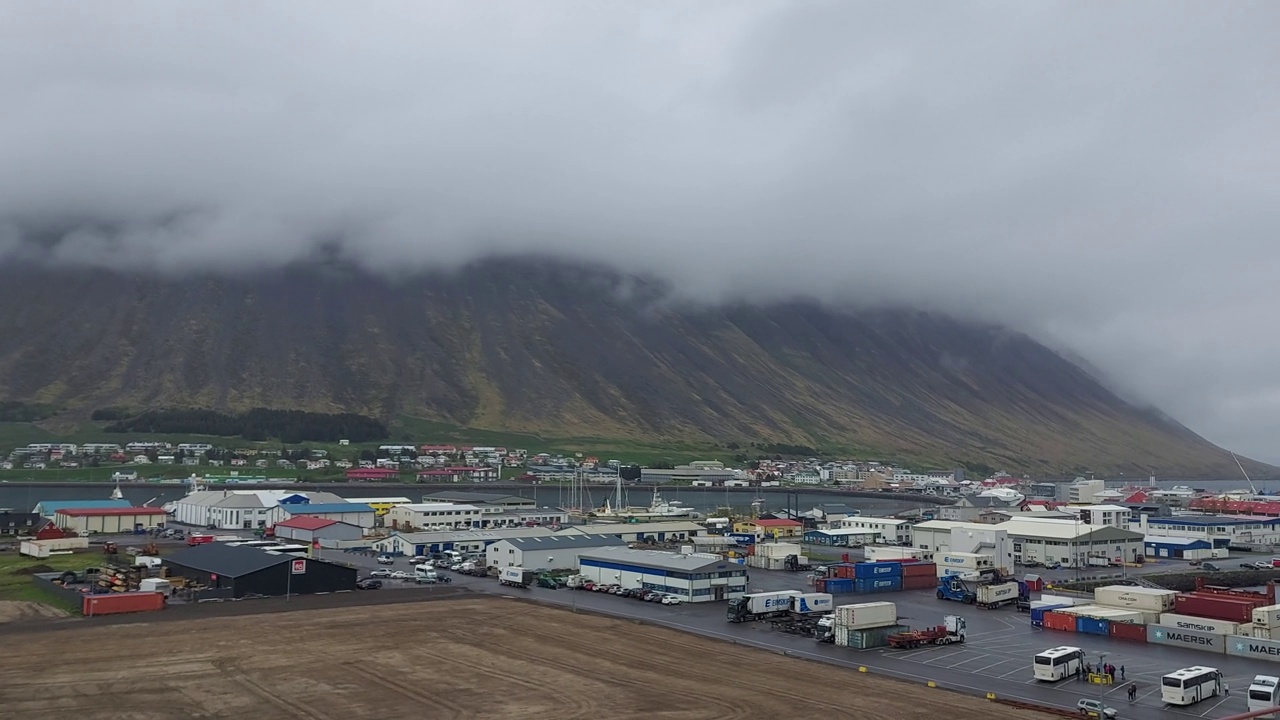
{"type": "Point", "coordinates": [653, 558]}
{"type": "Point", "coordinates": [226, 560]}
{"type": "Point", "coordinates": [304, 522]}
{"type": "Point", "coordinates": [52, 506]}
{"type": "Point", "coordinates": [326, 508]}
{"type": "Point", "coordinates": [106, 512]}
{"type": "Point", "coordinates": [563, 542]}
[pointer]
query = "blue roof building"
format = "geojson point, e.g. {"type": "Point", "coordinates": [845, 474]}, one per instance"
{"type": "Point", "coordinates": [358, 514]}
{"type": "Point", "coordinates": [47, 508]}
{"type": "Point", "coordinates": [1181, 548]}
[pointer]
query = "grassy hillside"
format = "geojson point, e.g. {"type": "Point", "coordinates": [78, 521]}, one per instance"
{"type": "Point", "coordinates": [529, 351]}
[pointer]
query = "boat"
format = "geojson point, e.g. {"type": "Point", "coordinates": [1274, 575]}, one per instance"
{"type": "Point", "coordinates": [116, 494]}
{"type": "Point", "coordinates": [658, 509]}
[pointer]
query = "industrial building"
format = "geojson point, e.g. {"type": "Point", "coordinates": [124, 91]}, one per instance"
{"type": "Point", "coordinates": [654, 532]}
{"type": "Point", "coordinates": [699, 471]}
{"type": "Point", "coordinates": [306, 529]}
{"type": "Point", "coordinates": [1112, 515]}
{"type": "Point", "coordinates": [1182, 548]}
{"type": "Point", "coordinates": [362, 516]}
{"type": "Point", "coordinates": [1044, 540]}
{"type": "Point", "coordinates": [240, 509]}
{"type": "Point", "coordinates": [886, 531]}
{"type": "Point", "coordinates": [439, 516]}
{"type": "Point", "coordinates": [245, 570]}
{"type": "Point", "coordinates": [692, 578]}
{"type": "Point", "coordinates": [47, 508]}
{"type": "Point", "coordinates": [841, 537]}
{"type": "Point", "coordinates": [552, 552]}
{"type": "Point", "coordinates": [112, 521]}
{"type": "Point", "coordinates": [425, 543]}
{"type": "Point", "coordinates": [770, 528]}
{"type": "Point", "coordinates": [380, 505]}
{"type": "Point", "coordinates": [1220, 530]}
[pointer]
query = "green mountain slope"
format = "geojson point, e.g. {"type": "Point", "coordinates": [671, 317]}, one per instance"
{"type": "Point", "coordinates": [536, 348]}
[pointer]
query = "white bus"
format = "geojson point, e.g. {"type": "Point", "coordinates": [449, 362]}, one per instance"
{"type": "Point", "coordinates": [1191, 685]}
{"type": "Point", "coordinates": [1058, 663]}
{"type": "Point", "coordinates": [1264, 692]}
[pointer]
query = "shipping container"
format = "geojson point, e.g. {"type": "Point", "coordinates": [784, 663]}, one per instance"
{"type": "Point", "coordinates": [113, 603]}
{"type": "Point", "coordinates": [1092, 626]}
{"type": "Point", "coordinates": [1198, 624]}
{"type": "Point", "coordinates": [877, 570]}
{"type": "Point", "coordinates": [968, 561]}
{"type": "Point", "coordinates": [1139, 598]}
{"type": "Point", "coordinates": [1054, 620]}
{"type": "Point", "coordinates": [927, 582]}
{"type": "Point", "coordinates": [866, 615]}
{"type": "Point", "coordinates": [840, 570]}
{"type": "Point", "coordinates": [877, 585]}
{"type": "Point", "coordinates": [920, 569]}
{"type": "Point", "coordinates": [866, 638]}
{"type": "Point", "coordinates": [1267, 616]}
{"type": "Point", "coordinates": [1265, 633]}
{"type": "Point", "coordinates": [1208, 642]}
{"type": "Point", "coordinates": [1063, 599]}
{"type": "Point", "coordinates": [1129, 631]}
{"type": "Point", "coordinates": [1037, 613]}
{"type": "Point", "coordinates": [808, 603]}
{"type": "Point", "coordinates": [1255, 648]}
{"type": "Point", "coordinates": [778, 550]}
{"type": "Point", "coordinates": [878, 553]}
{"type": "Point", "coordinates": [1218, 607]}
{"type": "Point", "coordinates": [837, 586]}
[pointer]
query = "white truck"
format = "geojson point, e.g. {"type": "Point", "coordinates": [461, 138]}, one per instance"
{"type": "Point", "coordinates": [425, 575]}
{"type": "Point", "coordinates": [760, 605]}
{"type": "Point", "coordinates": [516, 577]}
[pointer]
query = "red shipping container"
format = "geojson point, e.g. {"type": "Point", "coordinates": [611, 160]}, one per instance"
{"type": "Point", "coordinates": [844, 571]}
{"type": "Point", "coordinates": [1254, 599]}
{"type": "Point", "coordinates": [113, 603]}
{"type": "Point", "coordinates": [919, 582]}
{"type": "Point", "coordinates": [1217, 607]}
{"type": "Point", "coordinates": [1129, 631]}
{"type": "Point", "coordinates": [820, 585]}
{"type": "Point", "coordinates": [1059, 621]}
{"type": "Point", "coordinates": [920, 570]}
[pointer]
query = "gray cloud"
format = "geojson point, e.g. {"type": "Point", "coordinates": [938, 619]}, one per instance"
{"type": "Point", "coordinates": [1102, 176]}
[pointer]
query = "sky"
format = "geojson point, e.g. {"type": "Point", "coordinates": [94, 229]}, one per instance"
{"type": "Point", "coordinates": [1102, 176]}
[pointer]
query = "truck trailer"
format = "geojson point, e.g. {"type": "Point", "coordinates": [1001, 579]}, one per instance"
{"type": "Point", "coordinates": [516, 577]}
{"type": "Point", "coordinates": [999, 594]}
{"type": "Point", "coordinates": [811, 603]}
{"type": "Point", "coordinates": [757, 606]}
{"type": "Point", "coordinates": [951, 631]}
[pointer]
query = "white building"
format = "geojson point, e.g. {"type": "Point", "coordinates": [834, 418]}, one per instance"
{"type": "Point", "coordinates": [1112, 515]}
{"type": "Point", "coordinates": [239, 509]}
{"type": "Point", "coordinates": [692, 578]}
{"type": "Point", "coordinates": [660, 532]}
{"type": "Point", "coordinates": [440, 516]}
{"type": "Point", "coordinates": [424, 543]}
{"type": "Point", "coordinates": [552, 552]}
{"type": "Point", "coordinates": [1082, 492]}
{"type": "Point", "coordinates": [884, 531]}
{"type": "Point", "coordinates": [1220, 531]}
{"type": "Point", "coordinates": [1044, 540]}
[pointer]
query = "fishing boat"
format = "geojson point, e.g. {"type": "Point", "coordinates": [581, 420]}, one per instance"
{"type": "Point", "coordinates": [658, 509]}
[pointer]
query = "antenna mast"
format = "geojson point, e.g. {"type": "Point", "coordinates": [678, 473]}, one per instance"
{"type": "Point", "coordinates": [1242, 472]}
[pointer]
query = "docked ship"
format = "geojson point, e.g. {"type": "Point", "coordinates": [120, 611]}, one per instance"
{"type": "Point", "coordinates": [658, 509]}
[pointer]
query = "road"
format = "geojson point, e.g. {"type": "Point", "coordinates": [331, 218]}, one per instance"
{"type": "Point", "coordinates": [996, 658]}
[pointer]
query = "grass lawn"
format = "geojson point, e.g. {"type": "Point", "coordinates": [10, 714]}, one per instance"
{"type": "Point", "coordinates": [16, 585]}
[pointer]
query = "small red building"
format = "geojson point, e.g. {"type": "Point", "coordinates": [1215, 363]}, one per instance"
{"type": "Point", "coordinates": [363, 474]}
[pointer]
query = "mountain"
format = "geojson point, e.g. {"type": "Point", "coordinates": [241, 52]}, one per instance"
{"type": "Point", "coordinates": [538, 347]}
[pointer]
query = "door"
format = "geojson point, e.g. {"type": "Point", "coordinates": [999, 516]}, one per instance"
{"type": "Point", "coordinates": [719, 592]}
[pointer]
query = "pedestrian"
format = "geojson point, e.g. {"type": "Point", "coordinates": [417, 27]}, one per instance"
{"type": "Point", "coordinates": [1111, 674]}
{"type": "Point", "coordinates": [1121, 673]}
{"type": "Point", "coordinates": [1133, 691]}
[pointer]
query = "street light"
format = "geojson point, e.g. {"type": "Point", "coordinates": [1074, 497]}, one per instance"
{"type": "Point", "coordinates": [1102, 694]}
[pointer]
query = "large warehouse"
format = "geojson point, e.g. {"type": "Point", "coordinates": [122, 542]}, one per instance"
{"type": "Point", "coordinates": [554, 552]}
{"type": "Point", "coordinates": [110, 520]}
{"type": "Point", "coordinates": [692, 578]}
{"type": "Point", "coordinates": [362, 516]}
{"type": "Point", "coordinates": [1047, 540]}
{"type": "Point", "coordinates": [424, 543]}
{"type": "Point", "coordinates": [662, 532]}
{"type": "Point", "coordinates": [306, 529]}
{"type": "Point", "coordinates": [246, 570]}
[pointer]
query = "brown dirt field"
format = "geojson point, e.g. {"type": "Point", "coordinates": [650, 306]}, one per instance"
{"type": "Point", "coordinates": [18, 611]}
{"type": "Point", "coordinates": [472, 658]}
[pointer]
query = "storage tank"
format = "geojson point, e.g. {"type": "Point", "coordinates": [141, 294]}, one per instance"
{"type": "Point", "coordinates": [1139, 598]}
{"type": "Point", "coordinates": [866, 615]}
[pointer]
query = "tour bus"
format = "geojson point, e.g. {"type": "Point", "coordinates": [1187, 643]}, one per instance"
{"type": "Point", "coordinates": [1191, 685]}
{"type": "Point", "coordinates": [1264, 692]}
{"type": "Point", "coordinates": [1058, 663]}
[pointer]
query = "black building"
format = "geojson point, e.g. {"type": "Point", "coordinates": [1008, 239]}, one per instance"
{"type": "Point", "coordinates": [253, 571]}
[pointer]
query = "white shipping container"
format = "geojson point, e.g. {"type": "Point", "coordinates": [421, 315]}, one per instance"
{"type": "Point", "coordinates": [1263, 633]}
{"type": "Point", "coordinates": [1037, 604]}
{"type": "Point", "coordinates": [33, 549]}
{"type": "Point", "coordinates": [1266, 617]}
{"type": "Point", "coordinates": [997, 593]}
{"type": "Point", "coordinates": [778, 550]}
{"type": "Point", "coordinates": [1138, 598]}
{"type": "Point", "coordinates": [1062, 599]}
{"type": "Point", "coordinates": [968, 561]}
{"type": "Point", "coordinates": [880, 553]}
{"type": "Point", "coordinates": [866, 615]}
{"type": "Point", "coordinates": [159, 585]}
{"type": "Point", "coordinates": [1198, 624]}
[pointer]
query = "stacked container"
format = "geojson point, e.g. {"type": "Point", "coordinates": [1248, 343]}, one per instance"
{"type": "Point", "coordinates": [866, 625]}
{"type": "Point", "coordinates": [1150, 600]}
{"type": "Point", "coordinates": [919, 576]}
{"type": "Point", "coordinates": [956, 563]}
{"type": "Point", "coordinates": [1219, 607]}
{"type": "Point", "coordinates": [1038, 612]}
{"type": "Point", "coordinates": [1266, 622]}
{"type": "Point", "coordinates": [1198, 624]}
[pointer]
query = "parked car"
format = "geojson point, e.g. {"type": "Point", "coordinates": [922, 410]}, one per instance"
{"type": "Point", "coordinates": [400, 575]}
{"type": "Point", "coordinates": [1053, 566]}
{"type": "Point", "coordinates": [1095, 708]}
{"type": "Point", "coordinates": [386, 560]}
{"type": "Point", "coordinates": [670, 600]}
{"type": "Point", "coordinates": [419, 559]}
{"type": "Point", "coordinates": [368, 584]}
{"type": "Point", "coordinates": [1263, 565]}
{"type": "Point", "coordinates": [380, 573]}
{"type": "Point", "coordinates": [1210, 567]}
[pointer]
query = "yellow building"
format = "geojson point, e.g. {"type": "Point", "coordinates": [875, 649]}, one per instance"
{"type": "Point", "coordinates": [770, 528]}
{"type": "Point", "coordinates": [381, 505]}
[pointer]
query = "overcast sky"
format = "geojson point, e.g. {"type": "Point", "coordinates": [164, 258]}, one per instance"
{"type": "Point", "coordinates": [1105, 176]}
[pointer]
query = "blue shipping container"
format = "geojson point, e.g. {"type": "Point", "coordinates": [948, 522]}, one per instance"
{"type": "Point", "coordinates": [1093, 626]}
{"type": "Point", "coordinates": [1037, 614]}
{"type": "Point", "coordinates": [743, 538]}
{"type": "Point", "coordinates": [875, 585]}
{"type": "Point", "coordinates": [865, 571]}
{"type": "Point", "coordinates": [838, 585]}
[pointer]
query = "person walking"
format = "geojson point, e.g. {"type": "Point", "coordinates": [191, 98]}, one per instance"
{"type": "Point", "coordinates": [1133, 691]}
{"type": "Point", "coordinates": [1121, 673]}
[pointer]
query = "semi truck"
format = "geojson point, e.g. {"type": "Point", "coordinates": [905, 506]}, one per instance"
{"type": "Point", "coordinates": [991, 594]}
{"type": "Point", "coordinates": [516, 577]}
{"type": "Point", "coordinates": [761, 605]}
{"type": "Point", "coordinates": [952, 630]}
